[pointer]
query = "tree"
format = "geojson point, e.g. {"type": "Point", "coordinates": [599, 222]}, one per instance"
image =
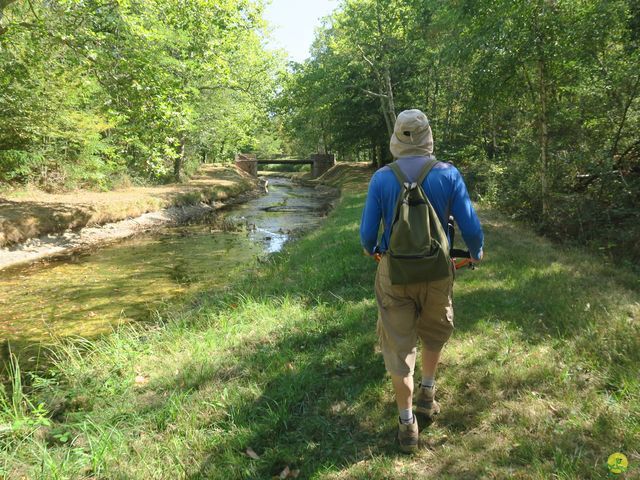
{"type": "Point", "coordinates": [97, 88]}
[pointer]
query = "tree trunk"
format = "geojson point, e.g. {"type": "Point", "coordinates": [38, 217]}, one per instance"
{"type": "Point", "coordinates": [446, 131]}
{"type": "Point", "coordinates": [632, 97]}
{"type": "Point", "coordinates": [391, 105]}
{"type": "Point", "coordinates": [385, 114]}
{"type": "Point", "coordinates": [388, 103]}
{"type": "Point", "coordinates": [385, 155]}
{"type": "Point", "coordinates": [322, 141]}
{"type": "Point", "coordinates": [178, 163]}
{"type": "Point", "coordinates": [434, 106]}
{"type": "Point", "coordinates": [223, 146]}
{"type": "Point", "coordinates": [544, 138]}
{"type": "Point", "coordinates": [493, 148]}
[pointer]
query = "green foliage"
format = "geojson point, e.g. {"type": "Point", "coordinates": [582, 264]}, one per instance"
{"type": "Point", "coordinates": [92, 90]}
{"type": "Point", "coordinates": [18, 165]}
{"type": "Point", "coordinates": [537, 102]}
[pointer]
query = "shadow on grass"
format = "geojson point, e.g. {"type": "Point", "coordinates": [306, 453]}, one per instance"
{"type": "Point", "coordinates": [314, 411]}
{"type": "Point", "coordinates": [545, 306]}
{"type": "Point", "coordinates": [26, 219]}
{"type": "Point", "coordinates": [310, 415]}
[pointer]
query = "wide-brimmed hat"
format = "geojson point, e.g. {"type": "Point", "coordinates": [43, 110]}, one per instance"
{"type": "Point", "coordinates": [411, 135]}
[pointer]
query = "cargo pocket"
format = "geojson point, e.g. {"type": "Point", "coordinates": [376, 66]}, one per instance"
{"type": "Point", "coordinates": [440, 299]}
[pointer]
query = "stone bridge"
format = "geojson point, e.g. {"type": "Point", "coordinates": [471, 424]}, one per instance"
{"type": "Point", "coordinates": [319, 162]}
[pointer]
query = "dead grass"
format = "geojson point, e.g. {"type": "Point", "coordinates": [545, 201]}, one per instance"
{"type": "Point", "coordinates": [346, 174]}
{"type": "Point", "coordinates": [32, 213]}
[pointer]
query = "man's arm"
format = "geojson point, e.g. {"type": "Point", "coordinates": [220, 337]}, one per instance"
{"type": "Point", "coordinates": [371, 217]}
{"type": "Point", "coordinates": [466, 217]}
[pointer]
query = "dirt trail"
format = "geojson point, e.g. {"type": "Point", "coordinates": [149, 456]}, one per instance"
{"type": "Point", "coordinates": [35, 224]}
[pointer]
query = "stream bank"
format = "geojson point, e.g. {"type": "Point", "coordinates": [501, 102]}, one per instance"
{"type": "Point", "coordinates": [29, 213]}
{"type": "Point", "coordinates": [36, 225]}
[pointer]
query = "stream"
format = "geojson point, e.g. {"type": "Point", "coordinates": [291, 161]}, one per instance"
{"type": "Point", "coordinates": [89, 294]}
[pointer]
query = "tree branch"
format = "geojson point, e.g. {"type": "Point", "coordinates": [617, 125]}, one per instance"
{"type": "Point", "coordinates": [632, 97]}
{"type": "Point", "coordinates": [365, 57]}
{"type": "Point", "coordinates": [379, 95]}
{"type": "Point", "coordinates": [33, 10]}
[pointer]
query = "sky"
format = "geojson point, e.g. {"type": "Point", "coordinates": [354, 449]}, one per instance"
{"type": "Point", "coordinates": [293, 23]}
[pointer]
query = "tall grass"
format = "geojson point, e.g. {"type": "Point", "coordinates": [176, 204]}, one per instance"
{"type": "Point", "coordinates": [20, 419]}
{"type": "Point", "coordinates": [17, 412]}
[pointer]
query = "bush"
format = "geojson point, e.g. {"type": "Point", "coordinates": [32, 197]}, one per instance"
{"type": "Point", "coordinates": [20, 166]}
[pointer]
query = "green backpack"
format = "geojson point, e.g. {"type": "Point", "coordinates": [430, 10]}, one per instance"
{"type": "Point", "coordinates": [418, 248]}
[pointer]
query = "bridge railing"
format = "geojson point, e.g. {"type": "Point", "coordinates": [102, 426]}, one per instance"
{"type": "Point", "coordinates": [285, 162]}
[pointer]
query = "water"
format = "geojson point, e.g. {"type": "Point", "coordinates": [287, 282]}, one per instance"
{"type": "Point", "coordinates": [88, 295]}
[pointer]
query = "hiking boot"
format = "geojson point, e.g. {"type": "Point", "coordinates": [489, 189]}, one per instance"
{"type": "Point", "coordinates": [408, 436]}
{"type": "Point", "coordinates": [425, 402]}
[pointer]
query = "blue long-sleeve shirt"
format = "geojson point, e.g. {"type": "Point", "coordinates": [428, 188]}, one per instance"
{"type": "Point", "coordinates": [446, 191]}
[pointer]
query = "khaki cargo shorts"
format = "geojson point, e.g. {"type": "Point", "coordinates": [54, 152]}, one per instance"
{"type": "Point", "coordinates": [408, 312]}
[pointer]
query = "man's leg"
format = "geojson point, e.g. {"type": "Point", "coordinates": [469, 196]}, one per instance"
{"type": "Point", "coordinates": [396, 331]}
{"type": "Point", "coordinates": [435, 325]}
{"type": "Point", "coordinates": [425, 399]}
{"type": "Point", "coordinates": [403, 389]}
{"type": "Point", "coordinates": [430, 361]}
{"type": "Point", "coordinates": [403, 386]}
{"type": "Point", "coordinates": [407, 425]}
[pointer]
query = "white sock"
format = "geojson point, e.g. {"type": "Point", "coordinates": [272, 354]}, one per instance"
{"type": "Point", "coordinates": [406, 416]}
{"type": "Point", "coordinates": [428, 382]}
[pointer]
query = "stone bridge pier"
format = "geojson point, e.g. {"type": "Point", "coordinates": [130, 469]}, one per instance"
{"type": "Point", "coordinates": [247, 163]}
{"type": "Point", "coordinates": [321, 163]}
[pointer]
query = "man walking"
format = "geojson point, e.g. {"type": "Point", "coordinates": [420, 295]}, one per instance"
{"type": "Point", "coordinates": [418, 310]}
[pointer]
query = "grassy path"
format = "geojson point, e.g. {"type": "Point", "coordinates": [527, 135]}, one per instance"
{"type": "Point", "coordinates": [539, 381]}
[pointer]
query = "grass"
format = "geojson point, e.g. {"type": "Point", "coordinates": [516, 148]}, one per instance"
{"type": "Point", "coordinates": [540, 379]}
{"type": "Point", "coordinates": [32, 213]}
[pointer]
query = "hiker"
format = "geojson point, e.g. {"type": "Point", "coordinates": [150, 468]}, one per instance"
{"type": "Point", "coordinates": [415, 310]}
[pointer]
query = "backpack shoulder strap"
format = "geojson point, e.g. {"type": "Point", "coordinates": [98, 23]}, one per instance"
{"type": "Point", "coordinates": [398, 173]}
{"type": "Point", "coordinates": [431, 162]}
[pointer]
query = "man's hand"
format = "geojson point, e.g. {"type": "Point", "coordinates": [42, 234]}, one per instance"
{"type": "Point", "coordinates": [478, 260]}
{"type": "Point", "coordinates": [376, 256]}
